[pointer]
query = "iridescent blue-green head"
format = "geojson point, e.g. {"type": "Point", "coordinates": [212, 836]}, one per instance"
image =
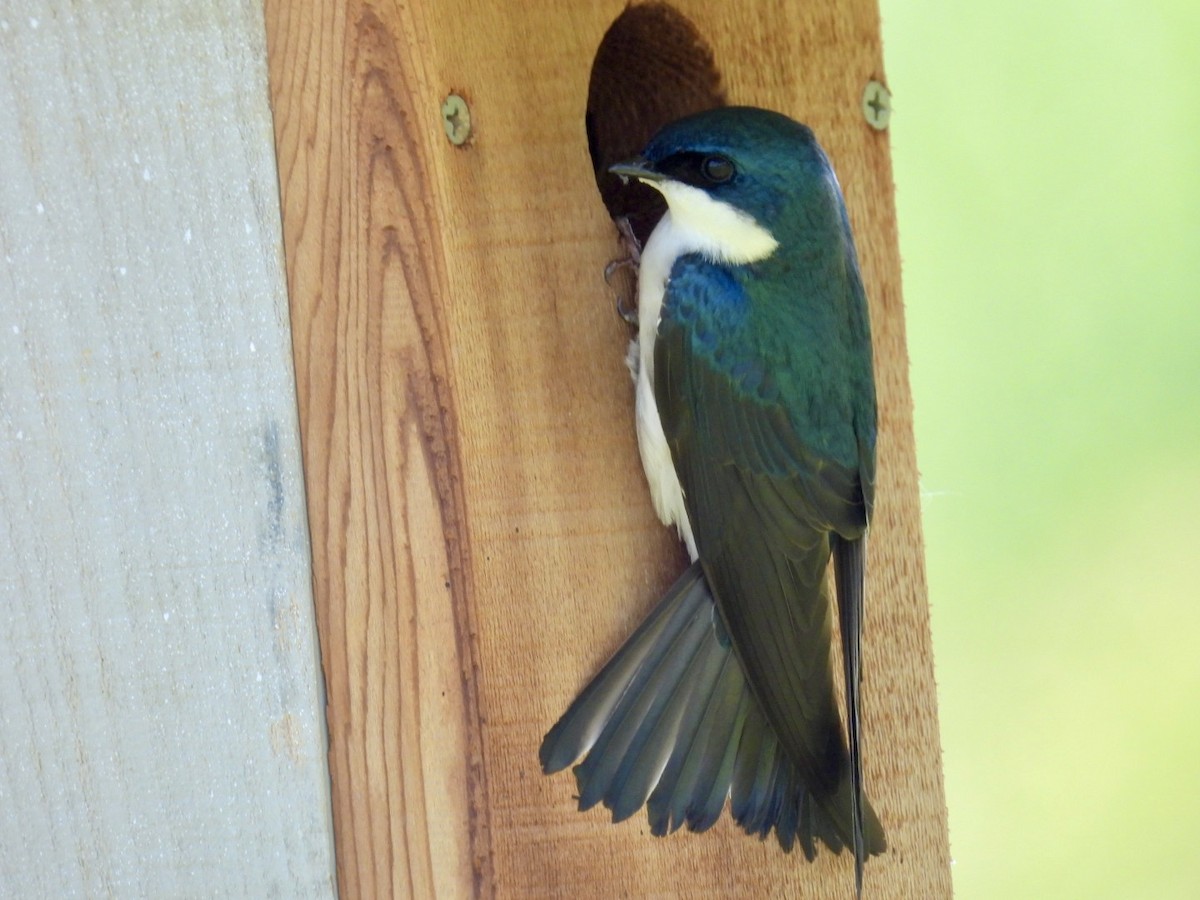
{"type": "Point", "coordinates": [749, 178]}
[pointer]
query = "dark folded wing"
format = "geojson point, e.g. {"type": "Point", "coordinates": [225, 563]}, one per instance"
{"type": "Point", "coordinates": [764, 501]}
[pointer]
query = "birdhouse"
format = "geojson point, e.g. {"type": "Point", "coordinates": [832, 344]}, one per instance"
{"type": "Point", "coordinates": [458, 450]}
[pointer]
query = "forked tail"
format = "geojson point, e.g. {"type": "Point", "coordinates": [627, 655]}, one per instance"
{"type": "Point", "coordinates": [670, 723]}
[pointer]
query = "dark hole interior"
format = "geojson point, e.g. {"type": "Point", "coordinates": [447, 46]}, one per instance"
{"type": "Point", "coordinates": [651, 68]}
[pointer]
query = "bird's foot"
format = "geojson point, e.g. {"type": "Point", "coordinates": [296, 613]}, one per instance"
{"type": "Point", "coordinates": [628, 263]}
{"type": "Point", "coordinates": [626, 308]}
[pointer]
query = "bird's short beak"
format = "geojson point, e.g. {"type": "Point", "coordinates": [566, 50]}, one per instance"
{"type": "Point", "coordinates": [636, 168]}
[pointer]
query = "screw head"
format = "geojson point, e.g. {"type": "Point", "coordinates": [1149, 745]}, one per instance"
{"type": "Point", "coordinates": [456, 118]}
{"type": "Point", "coordinates": [877, 105]}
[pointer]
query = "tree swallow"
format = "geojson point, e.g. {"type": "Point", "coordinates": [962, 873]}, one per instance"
{"type": "Point", "coordinates": [756, 425]}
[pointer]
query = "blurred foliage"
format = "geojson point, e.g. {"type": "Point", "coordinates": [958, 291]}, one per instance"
{"type": "Point", "coordinates": [1047, 164]}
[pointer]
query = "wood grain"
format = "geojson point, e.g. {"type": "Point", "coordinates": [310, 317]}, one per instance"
{"type": "Point", "coordinates": [482, 534]}
{"type": "Point", "coordinates": [161, 727]}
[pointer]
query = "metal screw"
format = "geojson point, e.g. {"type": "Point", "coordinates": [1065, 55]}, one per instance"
{"type": "Point", "coordinates": [456, 117]}
{"type": "Point", "coordinates": [877, 105]}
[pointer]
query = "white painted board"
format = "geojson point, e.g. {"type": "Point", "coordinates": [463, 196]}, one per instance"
{"type": "Point", "coordinates": [161, 710]}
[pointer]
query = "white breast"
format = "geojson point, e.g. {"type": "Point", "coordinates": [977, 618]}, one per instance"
{"type": "Point", "coordinates": [694, 223]}
{"type": "Point", "coordinates": [659, 254]}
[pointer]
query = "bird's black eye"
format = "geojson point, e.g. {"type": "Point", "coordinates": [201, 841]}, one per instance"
{"type": "Point", "coordinates": [702, 170]}
{"type": "Point", "coordinates": [716, 169]}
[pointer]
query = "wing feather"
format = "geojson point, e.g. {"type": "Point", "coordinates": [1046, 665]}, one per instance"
{"type": "Point", "coordinates": [768, 503]}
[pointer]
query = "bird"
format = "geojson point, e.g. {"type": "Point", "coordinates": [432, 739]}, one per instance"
{"type": "Point", "coordinates": [756, 424]}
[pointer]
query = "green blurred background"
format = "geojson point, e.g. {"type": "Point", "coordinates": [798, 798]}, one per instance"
{"type": "Point", "coordinates": [1047, 164]}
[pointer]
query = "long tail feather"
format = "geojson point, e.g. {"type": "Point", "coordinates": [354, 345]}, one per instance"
{"type": "Point", "coordinates": [849, 568]}
{"type": "Point", "coordinates": [671, 723]}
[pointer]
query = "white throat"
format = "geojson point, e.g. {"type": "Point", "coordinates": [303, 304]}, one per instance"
{"type": "Point", "coordinates": [713, 227]}
{"type": "Point", "coordinates": [694, 223]}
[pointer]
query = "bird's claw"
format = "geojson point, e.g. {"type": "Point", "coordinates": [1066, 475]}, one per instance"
{"type": "Point", "coordinates": [626, 308]}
